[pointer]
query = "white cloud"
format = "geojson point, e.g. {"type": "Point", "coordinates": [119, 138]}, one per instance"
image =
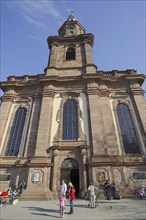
{"type": "Point", "coordinates": [35, 38]}
{"type": "Point", "coordinates": [34, 11]}
{"type": "Point", "coordinates": [36, 23]}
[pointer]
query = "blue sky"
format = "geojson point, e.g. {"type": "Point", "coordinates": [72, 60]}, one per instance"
{"type": "Point", "coordinates": [119, 28]}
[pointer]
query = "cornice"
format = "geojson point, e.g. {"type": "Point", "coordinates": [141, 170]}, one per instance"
{"type": "Point", "coordinates": [99, 76]}
{"type": "Point", "coordinates": [82, 38]}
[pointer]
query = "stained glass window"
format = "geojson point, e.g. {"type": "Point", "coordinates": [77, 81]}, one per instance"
{"type": "Point", "coordinates": [128, 133]}
{"type": "Point", "coordinates": [70, 120]}
{"type": "Point", "coordinates": [14, 140]}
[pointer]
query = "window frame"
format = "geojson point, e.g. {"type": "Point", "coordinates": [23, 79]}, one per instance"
{"type": "Point", "coordinates": [7, 148]}
{"type": "Point", "coordinates": [73, 49]}
{"type": "Point", "coordinates": [75, 119]}
{"type": "Point", "coordinates": [134, 127]}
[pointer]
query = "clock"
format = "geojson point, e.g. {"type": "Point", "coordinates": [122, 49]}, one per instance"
{"type": "Point", "coordinates": [71, 27]}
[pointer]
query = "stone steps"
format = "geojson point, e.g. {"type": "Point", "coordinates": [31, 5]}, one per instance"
{"type": "Point", "coordinates": [38, 195]}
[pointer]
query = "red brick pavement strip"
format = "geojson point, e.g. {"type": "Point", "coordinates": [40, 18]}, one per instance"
{"type": "Point", "coordinates": [124, 209]}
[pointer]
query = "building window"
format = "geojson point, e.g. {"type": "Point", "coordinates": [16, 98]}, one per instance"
{"type": "Point", "coordinates": [128, 133]}
{"type": "Point", "coordinates": [139, 175]}
{"type": "Point", "coordinates": [14, 140]}
{"type": "Point", "coordinates": [5, 177]}
{"type": "Point", "coordinates": [71, 33]}
{"type": "Point", "coordinates": [70, 54]}
{"type": "Point", "coordinates": [70, 120]}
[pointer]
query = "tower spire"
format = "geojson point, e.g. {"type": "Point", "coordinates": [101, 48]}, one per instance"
{"type": "Point", "coordinates": [72, 17]}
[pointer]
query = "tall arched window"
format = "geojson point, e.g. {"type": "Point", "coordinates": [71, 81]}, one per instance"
{"type": "Point", "coordinates": [128, 133]}
{"type": "Point", "coordinates": [14, 140]}
{"type": "Point", "coordinates": [70, 54]}
{"type": "Point", "coordinates": [70, 120]}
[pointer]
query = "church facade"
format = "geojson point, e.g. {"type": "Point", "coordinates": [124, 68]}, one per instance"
{"type": "Point", "coordinates": [73, 122]}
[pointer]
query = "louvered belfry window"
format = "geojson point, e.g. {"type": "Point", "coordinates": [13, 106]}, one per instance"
{"type": "Point", "coordinates": [14, 140]}
{"type": "Point", "coordinates": [128, 133]}
{"type": "Point", "coordinates": [70, 120]}
{"type": "Point", "coordinates": [70, 54]}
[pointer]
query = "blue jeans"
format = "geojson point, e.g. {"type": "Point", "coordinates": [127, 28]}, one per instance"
{"type": "Point", "coordinates": [71, 207]}
{"type": "Point", "coordinates": [108, 193]}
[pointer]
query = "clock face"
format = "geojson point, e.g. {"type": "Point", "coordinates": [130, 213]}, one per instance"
{"type": "Point", "coordinates": [71, 27]}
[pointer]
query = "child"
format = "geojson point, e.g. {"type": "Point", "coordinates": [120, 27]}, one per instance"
{"type": "Point", "coordinates": [62, 201]}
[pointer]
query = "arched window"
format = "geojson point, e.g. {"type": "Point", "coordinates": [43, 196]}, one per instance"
{"type": "Point", "coordinates": [70, 120]}
{"type": "Point", "coordinates": [14, 140]}
{"type": "Point", "coordinates": [70, 54]}
{"type": "Point", "coordinates": [128, 133]}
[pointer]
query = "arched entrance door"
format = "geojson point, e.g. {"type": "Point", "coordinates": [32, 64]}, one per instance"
{"type": "Point", "coordinates": [70, 172]}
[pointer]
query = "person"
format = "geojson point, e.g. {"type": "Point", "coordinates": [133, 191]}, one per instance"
{"type": "Point", "coordinates": [62, 201]}
{"type": "Point", "coordinates": [63, 187]}
{"type": "Point", "coordinates": [107, 187]}
{"type": "Point", "coordinates": [9, 190]}
{"type": "Point", "coordinates": [92, 194]}
{"type": "Point", "coordinates": [22, 185]}
{"type": "Point", "coordinates": [141, 193]}
{"type": "Point", "coordinates": [71, 193]}
{"type": "Point", "coordinates": [114, 192]}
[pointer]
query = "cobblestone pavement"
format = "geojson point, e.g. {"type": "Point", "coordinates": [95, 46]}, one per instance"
{"type": "Point", "coordinates": [124, 209]}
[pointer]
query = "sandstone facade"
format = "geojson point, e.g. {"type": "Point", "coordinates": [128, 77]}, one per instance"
{"type": "Point", "coordinates": [91, 148]}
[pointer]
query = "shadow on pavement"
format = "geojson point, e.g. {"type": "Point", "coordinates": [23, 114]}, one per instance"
{"type": "Point", "coordinates": [45, 215]}
{"type": "Point", "coordinates": [39, 209]}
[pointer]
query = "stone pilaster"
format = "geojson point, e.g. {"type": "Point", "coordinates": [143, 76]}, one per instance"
{"type": "Point", "coordinates": [5, 116]}
{"type": "Point", "coordinates": [44, 129]}
{"type": "Point", "coordinates": [53, 55]}
{"type": "Point", "coordinates": [111, 146]}
{"type": "Point", "coordinates": [54, 173]}
{"type": "Point", "coordinates": [141, 107]}
{"type": "Point", "coordinates": [97, 130]}
{"type": "Point", "coordinates": [90, 67]}
{"type": "Point", "coordinates": [33, 121]}
{"type": "Point", "coordinates": [84, 174]}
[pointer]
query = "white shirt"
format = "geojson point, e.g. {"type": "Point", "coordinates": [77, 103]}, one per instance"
{"type": "Point", "coordinates": [92, 189]}
{"type": "Point", "coordinates": [63, 188]}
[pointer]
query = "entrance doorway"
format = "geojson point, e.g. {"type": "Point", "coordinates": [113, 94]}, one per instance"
{"type": "Point", "coordinates": [70, 173]}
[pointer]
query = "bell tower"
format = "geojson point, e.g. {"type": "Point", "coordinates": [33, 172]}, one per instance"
{"type": "Point", "coordinates": [71, 50]}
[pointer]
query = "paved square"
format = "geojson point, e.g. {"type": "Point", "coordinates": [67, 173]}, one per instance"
{"type": "Point", "coordinates": [124, 209]}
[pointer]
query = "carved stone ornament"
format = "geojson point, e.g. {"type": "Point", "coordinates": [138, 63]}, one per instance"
{"type": "Point", "coordinates": [36, 176]}
{"type": "Point", "coordinates": [70, 163]}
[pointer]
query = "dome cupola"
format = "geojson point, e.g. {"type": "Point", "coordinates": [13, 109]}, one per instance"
{"type": "Point", "coordinates": [71, 27]}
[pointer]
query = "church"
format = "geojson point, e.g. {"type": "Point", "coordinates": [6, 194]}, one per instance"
{"type": "Point", "coordinates": [73, 122]}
